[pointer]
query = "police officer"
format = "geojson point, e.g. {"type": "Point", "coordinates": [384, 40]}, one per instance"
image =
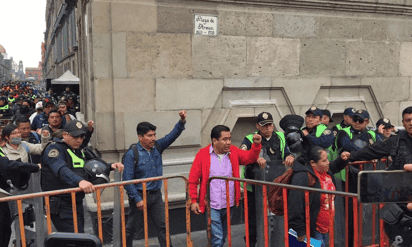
{"type": "Point", "coordinates": [384, 127]}
{"type": "Point", "coordinates": [315, 133]}
{"type": "Point", "coordinates": [346, 122]}
{"type": "Point", "coordinates": [274, 147]}
{"type": "Point", "coordinates": [397, 147]}
{"type": "Point", "coordinates": [63, 168]}
{"type": "Point", "coordinates": [4, 108]}
{"type": "Point", "coordinates": [327, 117]}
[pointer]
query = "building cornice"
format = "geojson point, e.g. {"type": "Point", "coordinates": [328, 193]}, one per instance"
{"type": "Point", "coordinates": [352, 6]}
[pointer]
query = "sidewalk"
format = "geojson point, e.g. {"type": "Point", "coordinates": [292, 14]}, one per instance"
{"type": "Point", "coordinates": [199, 239]}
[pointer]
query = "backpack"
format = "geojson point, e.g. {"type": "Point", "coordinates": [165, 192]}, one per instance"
{"type": "Point", "coordinates": [275, 193]}
{"type": "Point", "coordinates": [136, 152]}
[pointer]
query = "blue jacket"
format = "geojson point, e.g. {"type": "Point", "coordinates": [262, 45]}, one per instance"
{"type": "Point", "coordinates": [150, 164]}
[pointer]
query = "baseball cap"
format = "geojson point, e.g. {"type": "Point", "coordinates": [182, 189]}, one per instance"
{"type": "Point", "coordinates": [349, 111]}
{"type": "Point", "coordinates": [362, 114]}
{"type": "Point", "coordinates": [315, 111]}
{"type": "Point", "coordinates": [264, 118]}
{"type": "Point", "coordinates": [75, 128]}
{"type": "Point", "coordinates": [385, 121]}
{"type": "Point", "coordinates": [327, 113]}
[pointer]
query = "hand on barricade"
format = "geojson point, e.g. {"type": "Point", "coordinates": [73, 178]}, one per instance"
{"type": "Point", "coordinates": [408, 167]}
{"type": "Point", "coordinates": [86, 186]}
{"type": "Point", "coordinates": [262, 162]}
{"type": "Point", "coordinates": [195, 208]}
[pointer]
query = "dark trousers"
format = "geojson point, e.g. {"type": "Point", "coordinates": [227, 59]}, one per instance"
{"type": "Point", "coordinates": [62, 214]}
{"type": "Point", "coordinates": [156, 210]}
{"type": "Point", "coordinates": [5, 222]}
{"type": "Point", "coordinates": [251, 205]}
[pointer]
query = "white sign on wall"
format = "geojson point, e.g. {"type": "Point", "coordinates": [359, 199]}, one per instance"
{"type": "Point", "coordinates": [206, 25]}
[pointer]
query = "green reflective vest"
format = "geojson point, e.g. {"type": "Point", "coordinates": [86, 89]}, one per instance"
{"type": "Point", "coordinates": [77, 162]}
{"type": "Point", "coordinates": [1, 152]}
{"type": "Point", "coordinates": [12, 100]}
{"type": "Point", "coordinates": [282, 139]}
{"type": "Point", "coordinates": [342, 174]}
{"type": "Point", "coordinates": [6, 107]}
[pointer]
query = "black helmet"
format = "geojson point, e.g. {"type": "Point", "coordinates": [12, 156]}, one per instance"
{"type": "Point", "coordinates": [291, 123]}
{"type": "Point", "coordinates": [97, 168]}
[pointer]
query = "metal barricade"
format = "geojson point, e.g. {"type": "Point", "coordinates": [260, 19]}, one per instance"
{"type": "Point", "coordinates": [99, 188]}
{"type": "Point", "coordinates": [357, 240]}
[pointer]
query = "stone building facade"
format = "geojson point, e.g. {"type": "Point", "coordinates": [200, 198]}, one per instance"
{"type": "Point", "coordinates": [36, 73]}
{"type": "Point", "coordinates": [59, 51]}
{"type": "Point", "coordinates": [141, 61]}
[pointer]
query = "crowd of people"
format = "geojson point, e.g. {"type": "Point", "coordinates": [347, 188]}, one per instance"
{"type": "Point", "coordinates": [43, 134]}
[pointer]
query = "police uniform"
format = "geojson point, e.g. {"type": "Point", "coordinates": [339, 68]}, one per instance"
{"type": "Point", "coordinates": [63, 168]}
{"type": "Point", "coordinates": [5, 109]}
{"type": "Point", "coordinates": [319, 136]}
{"type": "Point", "coordinates": [274, 148]}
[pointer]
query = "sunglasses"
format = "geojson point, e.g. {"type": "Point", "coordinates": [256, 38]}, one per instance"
{"type": "Point", "coordinates": [79, 136]}
{"type": "Point", "coordinates": [358, 120]}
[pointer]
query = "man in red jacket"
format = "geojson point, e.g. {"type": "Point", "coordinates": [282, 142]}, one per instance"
{"type": "Point", "coordinates": [219, 159]}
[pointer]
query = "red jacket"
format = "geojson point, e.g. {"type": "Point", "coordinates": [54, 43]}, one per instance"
{"type": "Point", "coordinates": [199, 173]}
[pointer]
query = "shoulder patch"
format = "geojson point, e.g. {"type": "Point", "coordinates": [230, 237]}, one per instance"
{"type": "Point", "coordinates": [335, 133]}
{"type": "Point", "coordinates": [243, 147]}
{"type": "Point", "coordinates": [53, 153]}
{"type": "Point", "coordinates": [327, 132]}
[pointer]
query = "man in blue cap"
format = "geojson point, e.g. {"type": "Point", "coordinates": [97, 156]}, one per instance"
{"type": "Point", "coordinates": [346, 122]}
{"type": "Point", "coordinates": [315, 133]}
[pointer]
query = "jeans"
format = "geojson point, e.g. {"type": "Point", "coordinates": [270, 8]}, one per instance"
{"type": "Point", "coordinates": [322, 237]}
{"type": "Point", "coordinates": [219, 225]}
{"type": "Point", "coordinates": [156, 210]}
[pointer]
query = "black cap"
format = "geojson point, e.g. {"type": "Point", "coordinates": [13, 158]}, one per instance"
{"type": "Point", "coordinates": [315, 111]}
{"type": "Point", "coordinates": [75, 128]}
{"type": "Point", "coordinates": [349, 111]}
{"type": "Point", "coordinates": [362, 114]}
{"type": "Point", "coordinates": [385, 121]}
{"type": "Point", "coordinates": [264, 118]}
{"type": "Point", "coordinates": [327, 113]}
{"type": "Point", "coordinates": [289, 122]}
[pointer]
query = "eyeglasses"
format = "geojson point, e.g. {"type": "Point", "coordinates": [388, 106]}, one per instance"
{"type": "Point", "coordinates": [358, 120]}
{"type": "Point", "coordinates": [79, 136]}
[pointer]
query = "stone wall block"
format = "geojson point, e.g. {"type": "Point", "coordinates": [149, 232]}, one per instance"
{"type": "Point", "coordinates": [346, 81]}
{"type": "Point", "coordinates": [389, 88]}
{"type": "Point", "coordinates": [295, 26]}
{"type": "Point", "coordinates": [339, 28]}
{"type": "Point", "coordinates": [398, 2]}
{"type": "Point", "coordinates": [134, 95]}
{"type": "Point", "coordinates": [272, 57]}
{"type": "Point", "coordinates": [399, 31]}
{"type": "Point", "coordinates": [405, 65]}
{"type": "Point", "coordinates": [101, 17]}
{"type": "Point", "coordinates": [372, 59]}
{"type": "Point", "coordinates": [251, 24]}
{"type": "Point", "coordinates": [248, 82]}
{"type": "Point", "coordinates": [119, 55]}
{"type": "Point", "coordinates": [321, 97]}
{"type": "Point", "coordinates": [165, 122]}
{"type": "Point", "coordinates": [231, 98]}
{"type": "Point", "coordinates": [172, 19]}
{"type": "Point", "coordinates": [365, 94]}
{"type": "Point", "coordinates": [190, 94]}
{"type": "Point", "coordinates": [103, 89]}
{"type": "Point", "coordinates": [102, 56]}
{"type": "Point", "coordinates": [277, 95]}
{"type": "Point", "coordinates": [374, 30]}
{"type": "Point", "coordinates": [302, 90]}
{"type": "Point", "coordinates": [388, 111]}
{"type": "Point", "coordinates": [134, 17]}
{"type": "Point", "coordinates": [158, 55]}
{"type": "Point", "coordinates": [104, 131]}
{"type": "Point", "coordinates": [322, 57]}
{"type": "Point", "coordinates": [219, 57]}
